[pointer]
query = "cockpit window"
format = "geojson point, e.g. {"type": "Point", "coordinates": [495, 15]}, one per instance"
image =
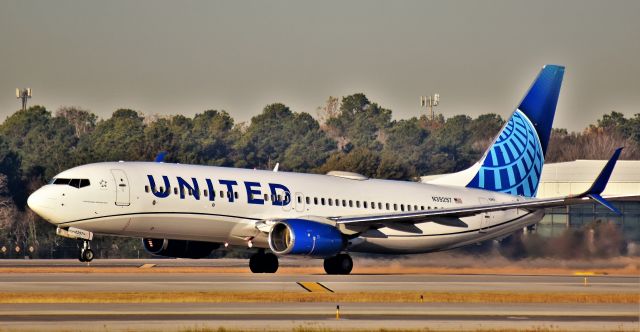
{"type": "Point", "coordinates": [76, 183]}
{"type": "Point", "coordinates": [61, 181]}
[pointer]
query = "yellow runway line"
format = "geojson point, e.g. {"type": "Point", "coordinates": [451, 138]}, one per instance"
{"type": "Point", "coordinates": [586, 273]}
{"type": "Point", "coordinates": [315, 287]}
{"type": "Point", "coordinates": [147, 266]}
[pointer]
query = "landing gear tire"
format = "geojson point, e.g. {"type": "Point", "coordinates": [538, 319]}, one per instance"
{"type": "Point", "coordinates": [263, 263]}
{"type": "Point", "coordinates": [86, 254]}
{"type": "Point", "coordinates": [338, 264]}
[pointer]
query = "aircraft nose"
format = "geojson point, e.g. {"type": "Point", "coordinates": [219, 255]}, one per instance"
{"type": "Point", "coordinates": [40, 203]}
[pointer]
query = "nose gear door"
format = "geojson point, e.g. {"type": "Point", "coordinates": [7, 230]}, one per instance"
{"type": "Point", "coordinates": [122, 187]}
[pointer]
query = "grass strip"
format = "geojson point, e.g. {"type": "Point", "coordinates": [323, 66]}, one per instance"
{"type": "Point", "coordinates": [274, 297]}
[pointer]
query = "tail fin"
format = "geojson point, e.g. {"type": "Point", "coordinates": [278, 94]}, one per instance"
{"type": "Point", "coordinates": [514, 161]}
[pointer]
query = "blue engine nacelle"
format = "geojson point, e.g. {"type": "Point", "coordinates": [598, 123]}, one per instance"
{"type": "Point", "coordinates": [305, 237]}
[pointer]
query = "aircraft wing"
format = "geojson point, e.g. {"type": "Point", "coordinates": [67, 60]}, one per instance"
{"type": "Point", "coordinates": [593, 193]}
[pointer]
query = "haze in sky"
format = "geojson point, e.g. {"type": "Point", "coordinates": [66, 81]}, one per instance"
{"type": "Point", "coordinates": [170, 57]}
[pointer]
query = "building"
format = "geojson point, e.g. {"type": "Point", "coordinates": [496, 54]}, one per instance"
{"type": "Point", "coordinates": [574, 177]}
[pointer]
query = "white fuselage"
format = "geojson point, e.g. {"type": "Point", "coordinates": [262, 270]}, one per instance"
{"type": "Point", "coordinates": [120, 200]}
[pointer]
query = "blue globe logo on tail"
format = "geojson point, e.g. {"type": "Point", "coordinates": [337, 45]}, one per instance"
{"type": "Point", "coordinates": [514, 163]}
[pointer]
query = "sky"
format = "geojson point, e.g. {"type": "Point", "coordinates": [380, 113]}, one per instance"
{"type": "Point", "coordinates": [184, 57]}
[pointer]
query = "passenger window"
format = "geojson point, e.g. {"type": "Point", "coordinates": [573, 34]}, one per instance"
{"type": "Point", "coordinates": [181, 191]}
{"type": "Point", "coordinates": [395, 207]}
{"type": "Point", "coordinates": [350, 203]}
{"type": "Point", "coordinates": [146, 189]}
{"type": "Point", "coordinates": [315, 200]}
{"type": "Point", "coordinates": [401, 207]}
{"type": "Point", "coordinates": [175, 190]}
{"type": "Point", "coordinates": [190, 192]}
{"type": "Point", "coordinates": [322, 200]}
{"type": "Point", "coordinates": [421, 207]}
{"type": "Point", "coordinates": [221, 194]}
{"type": "Point", "coordinates": [379, 206]}
{"type": "Point", "coordinates": [357, 204]}
{"type": "Point", "coordinates": [235, 194]}
{"type": "Point", "coordinates": [299, 199]}
{"type": "Point", "coordinates": [337, 202]}
{"type": "Point", "coordinates": [308, 200]}
{"type": "Point", "coordinates": [408, 207]}
{"type": "Point", "coordinates": [364, 204]}
{"type": "Point", "coordinates": [266, 197]}
{"type": "Point", "coordinates": [206, 193]}
{"type": "Point", "coordinates": [387, 205]}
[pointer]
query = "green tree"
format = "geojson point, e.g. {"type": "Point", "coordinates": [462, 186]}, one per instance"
{"type": "Point", "coordinates": [82, 120]}
{"type": "Point", "coordinates": [360, 123]}
{"type": "Point", "coordinates": [44, 143]}
{"type": "Point", "coordinates": [280, 135]}
{"type": "Point", "coordinates": [121, 137]}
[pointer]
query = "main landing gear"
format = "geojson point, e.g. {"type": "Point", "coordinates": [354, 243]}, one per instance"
{"type": "Point", "coordinates": [86, 254]}
{"type": "Point", "coordinates": [262, 262]}
{"type": "Point", "coordinates": [338, 264]}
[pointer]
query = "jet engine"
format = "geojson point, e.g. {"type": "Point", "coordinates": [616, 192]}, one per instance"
{"type": "Point", "coordinates": [305, 237]}
{"type": "Point", "coordinates": [179, 248]}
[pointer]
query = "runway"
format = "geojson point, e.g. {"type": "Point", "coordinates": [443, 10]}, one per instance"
{"type": "Point", "coordinates": [278, 315]}
{"type": "Point", "coordinates": [133, 282]}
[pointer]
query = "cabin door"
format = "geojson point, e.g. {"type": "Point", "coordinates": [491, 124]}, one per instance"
{"type": "Point", "coordinates": [122, 187]}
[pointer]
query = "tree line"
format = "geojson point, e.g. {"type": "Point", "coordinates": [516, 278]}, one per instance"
{"type": "Point", "coordinates": [350, 133]}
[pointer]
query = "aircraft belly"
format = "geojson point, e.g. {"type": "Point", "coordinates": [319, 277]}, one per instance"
{"type": "Point", "coordinates": [171, 226]}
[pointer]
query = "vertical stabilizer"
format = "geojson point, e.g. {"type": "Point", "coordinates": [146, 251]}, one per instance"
{"type": "Point", "coordinates": [513, 163]}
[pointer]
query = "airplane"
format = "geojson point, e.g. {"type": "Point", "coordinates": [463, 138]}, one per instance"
{"type": "Point", "coordinates": [187, 211]}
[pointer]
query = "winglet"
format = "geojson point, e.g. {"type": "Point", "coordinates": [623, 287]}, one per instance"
{"type": "Point", "coordinates": [160, 156]}
{"type": "Point", "coordinates": [601, 182]}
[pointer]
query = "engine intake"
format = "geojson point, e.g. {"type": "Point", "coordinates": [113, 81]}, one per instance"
{"type": "Point", "coordinates": [179, 248]}
{"type": "Point", "coordinates": [305, 237]}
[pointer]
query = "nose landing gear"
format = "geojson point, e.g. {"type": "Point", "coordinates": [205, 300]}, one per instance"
{"type": "Point", "coordinates": [86, 254]}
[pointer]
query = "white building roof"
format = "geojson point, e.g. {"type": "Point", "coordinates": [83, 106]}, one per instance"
{"type": "Point", "coordinates": [574, 177]}
{"type": "Point", "coordinates": [587, 170]}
